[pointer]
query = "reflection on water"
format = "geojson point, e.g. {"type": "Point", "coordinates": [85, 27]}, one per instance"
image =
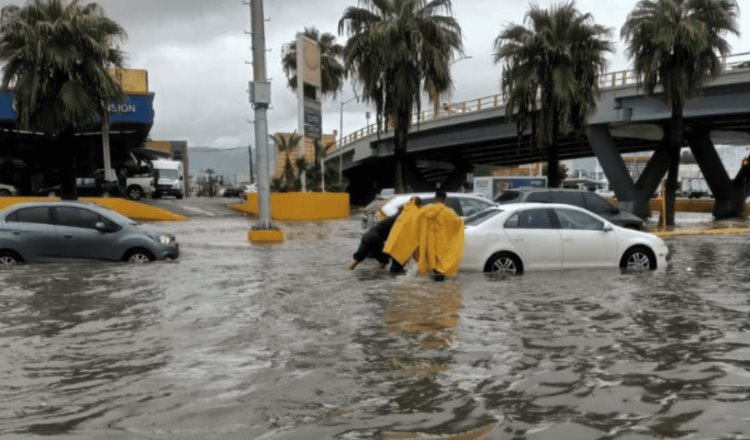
{"type": "Point", "coordinates": [236, 341]}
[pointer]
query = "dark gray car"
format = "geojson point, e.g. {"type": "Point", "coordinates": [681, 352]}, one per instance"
{"type": "Point", "coordinates": [583, 199]}
{"type": "Point", "coordinates": [58, 231]}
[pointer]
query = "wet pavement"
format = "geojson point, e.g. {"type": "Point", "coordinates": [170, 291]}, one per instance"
{"type": "Point", "coordinates": [235, 341]}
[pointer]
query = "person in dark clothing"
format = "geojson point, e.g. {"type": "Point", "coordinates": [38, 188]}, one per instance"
{"type": "Point", "coordinates": [371, 244]}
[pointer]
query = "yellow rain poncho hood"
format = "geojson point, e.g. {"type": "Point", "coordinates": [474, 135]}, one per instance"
{"type": "Point", "coordinates": [404, 237]}
{"type": "Point", "coordinates": [441, 239]}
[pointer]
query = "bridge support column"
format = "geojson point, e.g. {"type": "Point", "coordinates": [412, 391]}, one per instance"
{"type": "Point", "coordinates": [456, 180]}
{"type": "Point", "coordinates": [415, 181]}
{"type": "Point", "coordinates": [729, 196]}
{"type": "Point", "coordinates": [632, 198]}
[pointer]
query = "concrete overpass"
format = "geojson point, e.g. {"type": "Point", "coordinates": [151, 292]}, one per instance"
{"type": "Point", "coordinates": [443, 146]}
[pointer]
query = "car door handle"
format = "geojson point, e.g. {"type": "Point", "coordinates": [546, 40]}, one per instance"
{"type": "Point", "coordinates": [68, 236]}
{"type": "Point", "coordinates": [518, 239]}
{"type": "Point", "coordinates": [16, 232]}
{"type": "Point", "coordinates": [568, 239]}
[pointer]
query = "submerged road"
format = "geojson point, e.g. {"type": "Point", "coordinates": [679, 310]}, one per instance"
{"type": "Point", "coordinates": [235, 341]}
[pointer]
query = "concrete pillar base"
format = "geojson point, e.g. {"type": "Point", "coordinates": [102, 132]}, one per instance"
{"type": "Point", "coordinates": [734, 206]}
{"type": "Point", "coordinates": [265, 236]}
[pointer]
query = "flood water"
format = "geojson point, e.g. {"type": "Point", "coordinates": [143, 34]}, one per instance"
{"type": "Point", "coordinates": [241, 342]}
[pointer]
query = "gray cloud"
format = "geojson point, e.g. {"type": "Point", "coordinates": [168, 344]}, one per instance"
{"type": "Point", "coordinates": [195, 53]}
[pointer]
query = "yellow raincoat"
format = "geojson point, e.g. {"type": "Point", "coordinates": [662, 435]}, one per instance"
{"type": "Point", "coordinates": [404, 237]}
{"type": "Point", "coordinates": [441, 239]}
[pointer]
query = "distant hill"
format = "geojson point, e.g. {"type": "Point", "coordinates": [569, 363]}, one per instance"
{"type": "Point", "coordinates": [232, 163]}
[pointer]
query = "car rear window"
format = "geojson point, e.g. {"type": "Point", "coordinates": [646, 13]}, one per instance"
{"type": "Point", "coordinates": [508, 197]}
{"type": "Point", "coordinates": [538, 197]}
{"type": "Point", "coordinates": [597, 204]}
{"type": "Point", "coordinates": [37, 214]}
{"type": "Point", "coordinates": [574, 198]}
{"type": "Point", "coordinates": [482, 216]}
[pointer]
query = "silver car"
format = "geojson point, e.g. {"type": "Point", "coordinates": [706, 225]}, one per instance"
{"type": "Point", "coordinates": [65, 230]}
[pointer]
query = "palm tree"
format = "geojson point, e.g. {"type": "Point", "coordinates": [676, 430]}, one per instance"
{"type": "Point", "coordinates": [56, 56]}
{"type": "Point", "coordinates": [396, 50]}
{"type": "Point", "coordinates": [678, 44]}
{"type": "Point", "coordinates": [550, 68]}
{"type": "Point", "coordinates": [332, 72]}
{"type": "Point", "coordinates": [287, 143]}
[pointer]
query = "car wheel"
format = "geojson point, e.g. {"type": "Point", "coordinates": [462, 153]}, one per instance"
{"type": "Point", "coordinates": [9, 258]}
{"type": "Point", "coordinates": [178, 196]}
{"type": "Point", "coordinates": [638, 259]}
{"type": "Point", "coordinates": [5, 193]}
{"type": "Point", "coordinates": [138, 256]}
{"type": "Point", "coordinates": [135, 192]}
{"type": "Point", "coordinates": [156, 195]}
{"type": "Point", "coordinates": [504, 263]}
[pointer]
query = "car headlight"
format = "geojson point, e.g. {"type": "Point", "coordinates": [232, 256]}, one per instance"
{"type": "Point", "coordinates": [166, 239]}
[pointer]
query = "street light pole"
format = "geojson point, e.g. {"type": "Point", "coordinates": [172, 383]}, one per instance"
{"type": "Point", "coordinates": [341, 133]}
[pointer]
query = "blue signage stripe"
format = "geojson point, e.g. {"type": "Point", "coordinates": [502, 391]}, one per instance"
{"type": "Point", "coordinates": [136, 109]}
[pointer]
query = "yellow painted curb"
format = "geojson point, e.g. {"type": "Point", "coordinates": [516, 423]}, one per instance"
{"type": "Point", "coordinates": [242, 207]}
{"type": "Point", "coordinates": [265, 236]}
{"type": "Point", "coordinates": [128, 208]}
{"type": "Point", "coordinates": [303, 205]}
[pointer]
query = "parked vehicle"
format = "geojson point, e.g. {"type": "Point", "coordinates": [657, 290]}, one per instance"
{"type": "Point", "coordinates": [694, 187]}
{"type": "Point", "coordinates": [464, 205]}
{"type": "Point", "coordinates": [58, 231]}
{"type": "Point", "coordinates": [491, 186]}
{"type": "Point", "coordinates": [238, 190]}
{"type": "Point", "coordinates": [137, 187]}
{"type": "Point", "coordinates": [7, 190]}
{"type": "Point", "coordinates": [86, 187]}
{"type": "Point", "coordinates": [170, 181]}
{"type": "Point", "coordinates": [583, 199]}
{"type": "Point", "coordinates": [515, 238]}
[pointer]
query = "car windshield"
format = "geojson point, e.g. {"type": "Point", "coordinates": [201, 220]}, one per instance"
{"type": "Point", "coordinates": [168, 174]}
{"type": "Point", "coordinates": [507, 197]}
{"type": "Point", "coordinates": [482, 216]}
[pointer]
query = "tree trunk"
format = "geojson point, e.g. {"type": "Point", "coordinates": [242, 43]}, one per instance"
{"type": "Point", "coordinates": [553, 159]}
{"type": "Point", "coordinates": [675, 145]}
{"type": "Point", "coordinates": [401, 132]}
{"type": "Point", "coordinates": [67, 151]}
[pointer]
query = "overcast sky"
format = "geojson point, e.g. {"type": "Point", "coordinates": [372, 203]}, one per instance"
{"type": "Point", "coordinates": [196, 51]}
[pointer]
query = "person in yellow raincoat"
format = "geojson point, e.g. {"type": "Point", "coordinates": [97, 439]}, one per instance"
{"type": "Point", "coordinates": [441, 239]}
{"type": "Point", "coordinates": [404, 237]}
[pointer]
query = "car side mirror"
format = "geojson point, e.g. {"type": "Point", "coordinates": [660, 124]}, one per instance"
{"type": "Point", "coordinates": [607, 228]}
{"type": "Point", "coordinates": [180, 177]}
{"type": "Point", "coordinates": [102, 227]}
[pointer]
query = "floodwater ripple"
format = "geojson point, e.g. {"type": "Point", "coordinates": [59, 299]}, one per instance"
{"type": "Point", "coordinates": [281, 342]}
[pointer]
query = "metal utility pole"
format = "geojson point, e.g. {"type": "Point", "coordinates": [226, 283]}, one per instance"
{"type": "Point", "coordinates": [250, 154]}
{"type": "Point", "coordinates": [260, 98]}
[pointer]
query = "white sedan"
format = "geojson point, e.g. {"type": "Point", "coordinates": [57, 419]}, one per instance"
{"type": "Point", "coordinates": [542, 236]}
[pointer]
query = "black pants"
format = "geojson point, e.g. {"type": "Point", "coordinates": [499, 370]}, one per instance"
{"type": "Point", "coordinates": [371, 246]}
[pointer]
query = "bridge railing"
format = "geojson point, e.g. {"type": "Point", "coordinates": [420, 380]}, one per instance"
{"type": "Point", "coordinates": [609, 80]}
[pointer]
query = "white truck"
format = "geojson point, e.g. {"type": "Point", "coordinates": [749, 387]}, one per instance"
{"type": "Point", "coordinates": [694, 187]}
{"type": "Point", "coordinates": [170, 179]}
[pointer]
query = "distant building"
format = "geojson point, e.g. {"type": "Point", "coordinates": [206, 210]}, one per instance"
{"type": "Point", "coordinates": [327, 139]}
